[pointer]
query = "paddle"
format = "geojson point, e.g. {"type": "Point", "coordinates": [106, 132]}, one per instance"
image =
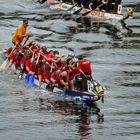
{"type": "Point", "coordinates": [31, 81]}
{"type": "Point", "coordinates": [51, 66]}
{"type": "Point", "coordinates": [91, 10]}
{"type": "Point", "coordinates": [27, 76]}
{"type": "Point", "coordinates": [86, 13]}
{"type": "Point", "coordinates": [76, 12]}
{"type": "Point", "coordinates": [72, 7]}
{"type": "Point", "coordinates": [4, 64]}
{"type": "Point", "coordinates": [51, 86]}
{"type": "Point", "coordinates": [31, 78]}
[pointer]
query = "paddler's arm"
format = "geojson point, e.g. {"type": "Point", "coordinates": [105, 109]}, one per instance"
{"type": "Point", "coordinates": [90, 6]}
{"type": "Point", "coordinates": [26, 35]}
{"type": "Point", "coordinates": [64, 83]}
{"type": "Point", "coordinates": [84, 74]}
{"type": "Point", "coordinates": [73, 2]}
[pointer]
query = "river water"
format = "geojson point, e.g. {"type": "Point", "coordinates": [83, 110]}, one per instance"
{"type": "Point", "coordinates": [114, 51]}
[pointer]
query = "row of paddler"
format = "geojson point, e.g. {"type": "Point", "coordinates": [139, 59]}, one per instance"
{"type": "Point", "coordinates": [48, 65]}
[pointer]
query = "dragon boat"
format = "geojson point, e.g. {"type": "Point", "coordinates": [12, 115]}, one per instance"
{"type": "Point", "coordinates": [72, 9]}
{"type": "Point", "coordinates": [95, 91]}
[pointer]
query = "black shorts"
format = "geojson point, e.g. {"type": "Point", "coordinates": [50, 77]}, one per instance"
{"type": "Point", "coordinates": [14, 43]}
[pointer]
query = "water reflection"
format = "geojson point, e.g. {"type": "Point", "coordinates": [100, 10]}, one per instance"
{"type": "Point", "coordinates": [87, 113]}
{"type": "Point", "coordinates": [125, 26]}
{"type": "Point", "coordinates": [87, 24]}
{"type": "Point", "coordinates": [22, 103]}
{"type": "Point", "coordinates": [86, 118]}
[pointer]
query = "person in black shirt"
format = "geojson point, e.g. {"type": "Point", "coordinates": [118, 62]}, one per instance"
{"type": "Point", "coordinates": [94, 4]}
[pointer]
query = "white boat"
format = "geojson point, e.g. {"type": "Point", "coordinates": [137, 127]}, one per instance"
{"type": "Point", "coordinates": [93, 14]}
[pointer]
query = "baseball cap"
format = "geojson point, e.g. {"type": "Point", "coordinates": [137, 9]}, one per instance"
{"type": "Point", "coordinates": [25, 21]}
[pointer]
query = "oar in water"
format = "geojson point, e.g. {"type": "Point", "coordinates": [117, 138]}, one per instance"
{"type": "Point", "coordinates": [31, 78]}
{"type": "Point", "coordinates": [4, 64]}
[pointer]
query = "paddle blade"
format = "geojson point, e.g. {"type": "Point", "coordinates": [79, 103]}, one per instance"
{"type": "Point", "coordinates": [72, 7]}
{"type": "Point", "coordinates": [50, 87]}
{"type": "Point", "coordinates": [76, 12]}
{"type": "Point", "coordinates": [27, 76]}
{"type": "Point", "coordinates": [84, 14]}
{"type": "Point", "coordinates": [102, 99]}
{"type": "Point", "coordinates": [31, 81]}
{"type": "Point", "coordinates": [4, 64]}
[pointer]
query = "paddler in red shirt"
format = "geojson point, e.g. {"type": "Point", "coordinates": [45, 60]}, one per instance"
{"type": "Point", "coordinates": [55, 74]}
{"type": "Point", "coordinates": [8, 51]}
{"type": "Point", "coordinates": [74, 70]}
{"type": "Point", "coordinates": [39, 70]}
{"type": "Point", "coordinates": [84, 67]}
{"type": "Point", "coordinates": [66, 74]}
{"type": "Point", "coordinates": [44, 50]}
{"type": "Point", "coordinates": [54, 77]}
{"type": "Point", "coordinates": [29, 64]}
{"type": "Point", "coordinates": [63, 79]}
{"type": "Point", "coordinates": [15, 57]}
{"type": "Point", "coordinates": [81, 73]}
{"type": "Point", "coordinates": [47, 73]}
{"type": "Point", "coordinates": [57, 60]}
{"type": "Point", "coordinates": [30, 67]}
{"type": "Point", "coordinates": [50, 56]}
{"type": "Point", "coordinates": [27, 55]}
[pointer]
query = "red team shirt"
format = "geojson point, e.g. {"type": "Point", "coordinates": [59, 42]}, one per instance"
{"type": "Point", "coordinates": [85, 66]}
